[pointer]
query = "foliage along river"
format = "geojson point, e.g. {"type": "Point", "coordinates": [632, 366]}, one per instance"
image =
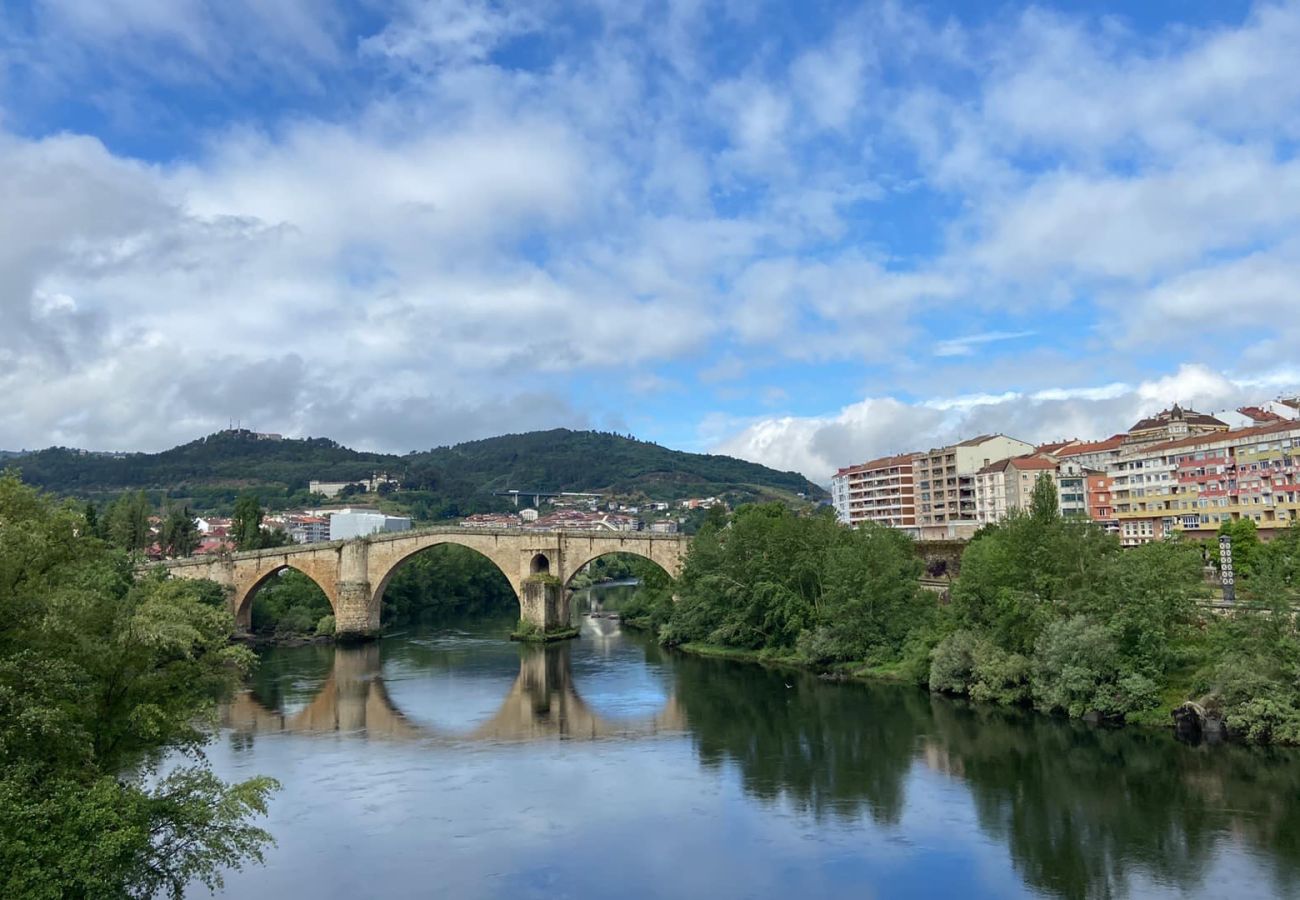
{"type": "Point", "coordinates": [452, 763]}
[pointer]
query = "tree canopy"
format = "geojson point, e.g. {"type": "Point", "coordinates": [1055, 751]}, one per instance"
{"type": "Point", "coordinates": [106, 682]}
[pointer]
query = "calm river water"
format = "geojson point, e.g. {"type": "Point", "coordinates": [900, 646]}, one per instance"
{"type": "Point", "coordinates": [452, 763]}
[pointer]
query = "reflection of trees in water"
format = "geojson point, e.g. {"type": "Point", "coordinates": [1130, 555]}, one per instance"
{"type": "Point", "coordinates": [309, 666]}
{"type": "Point", "coordinates": [1082, 810]}
{"type": "Point", "coordinates": [828, 750]}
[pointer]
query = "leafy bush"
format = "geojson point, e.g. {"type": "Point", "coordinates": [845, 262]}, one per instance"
{"type": "Point", "coordinates": [999, 676]}
{"type": "Point", "coordinates": [1078, 669]}
{"type": "Point", "coordinates": [966, 662]}
{"type": "Point", "coordinates": [325, 627]}
{"type": "Point", "coordinates": [952, 663]}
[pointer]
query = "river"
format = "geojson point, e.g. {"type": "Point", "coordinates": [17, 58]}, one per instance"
{"type": "Point", "coordinates": [452, 763]}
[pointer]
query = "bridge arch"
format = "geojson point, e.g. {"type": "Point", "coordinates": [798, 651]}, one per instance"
{"type": "Point", "coordinates": [391, 567]}
{"type": "Point", "coordinates": [581, 559]}
{"type": "Point", "coordinates": [246, 593]}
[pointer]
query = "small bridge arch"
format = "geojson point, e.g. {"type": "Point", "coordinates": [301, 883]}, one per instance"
{"type": "Point", "coordinates": [577, 565]}
{"type": "Point", "coordinates": [245, 594]}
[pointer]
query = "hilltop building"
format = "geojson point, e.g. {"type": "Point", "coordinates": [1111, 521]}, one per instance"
{"type": "Point", "coordinates": [334, 488]}
{"type": "Point", "coordinates": [1173, 424]}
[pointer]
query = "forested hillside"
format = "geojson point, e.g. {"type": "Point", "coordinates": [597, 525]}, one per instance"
{"type": "Point", "coordinates": [445, 481]}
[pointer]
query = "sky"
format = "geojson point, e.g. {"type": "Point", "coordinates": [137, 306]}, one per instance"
{"type": "Point", "coordinates": [804, 234]}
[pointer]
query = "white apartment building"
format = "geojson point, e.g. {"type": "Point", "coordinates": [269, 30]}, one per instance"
{"type": "Point", "coordinates": [880, 491]}
{"type": "Point", "coordinates": [1008, 484]}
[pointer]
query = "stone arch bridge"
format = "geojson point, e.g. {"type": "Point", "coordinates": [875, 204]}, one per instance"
{"type": "Point", "coordinates": [354, 574]}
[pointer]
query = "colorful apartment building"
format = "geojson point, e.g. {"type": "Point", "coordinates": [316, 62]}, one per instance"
{"type": "Point", "coordinates": [1101, 500]}
{"type": "Point", "coordinates": [1195, 484]}
{"type": "Point", "coordinates": [1177, 472]}
{"type": "Point", "coordinates": [881, 491]}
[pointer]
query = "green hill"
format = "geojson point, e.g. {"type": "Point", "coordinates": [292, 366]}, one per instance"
{"type": "Point", "coordinates": [445, 481]}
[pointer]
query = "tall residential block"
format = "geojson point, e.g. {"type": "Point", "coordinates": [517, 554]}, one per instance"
{"type": "Point", "coordinates": [945, 483]}
{"type": "Point", "coordinates": [880, 491]}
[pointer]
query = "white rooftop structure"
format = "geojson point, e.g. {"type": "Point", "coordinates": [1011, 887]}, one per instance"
{"type": "Point", "coordinates": [354, 523]}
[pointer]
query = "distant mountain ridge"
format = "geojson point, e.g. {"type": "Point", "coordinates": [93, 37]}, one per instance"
{"type": "Point", "coordinates": [451, 480]}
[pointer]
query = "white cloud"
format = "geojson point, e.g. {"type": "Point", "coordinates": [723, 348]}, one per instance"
{"type": "Point", "coordinates": [966, 346]}
{"type": "Point", "coordinates": [429, 33]}
{"type": "Point", "coordinates": [879, 426]}
{"type": "Point", "coordinates": [454, 231]}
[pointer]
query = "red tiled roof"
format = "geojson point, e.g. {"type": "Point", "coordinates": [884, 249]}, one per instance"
{"type": "Point", "coordinates": [1221, 437]}
{"type": "Point", "coordinates": [883, 462]}
{"type": "Point", "coordinates": [1054, 446]}
{"type": "Point", "coordinates": [1028, 461]}
{"type": "Point", "coordinates": [887, 462]}
{"type": "Point", "coordinates": [1260, 415]}
{"type": "Point", "coordinates": [1091, 447]}
{"type": "Point", "coordinates": [1177, 413]}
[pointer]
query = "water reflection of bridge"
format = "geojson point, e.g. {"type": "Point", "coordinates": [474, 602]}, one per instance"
{"type": "Point", "coordinates": [542, 704]}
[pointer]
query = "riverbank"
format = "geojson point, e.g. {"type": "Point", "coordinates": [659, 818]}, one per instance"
{"type": "Point", "coordinates": [260, 641]}
{"type": "Point", "coordinates": [1160, 718]}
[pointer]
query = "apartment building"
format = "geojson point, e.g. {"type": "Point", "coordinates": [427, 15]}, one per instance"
{"type": "Point", "coordinates": [1195, 484]}
{"type": "Point", "coordinates": [1008, 484]}
{"type": "Point", "coordinates": [1072, 488]}
{"type": "Point", "coordinates": [881, 491]}
{"type": "Point", "coordinates": [945, 483]}
{"type": "Point", "coordinates": [1101, 501]}
{"type": "Point", "coordinates": [1096, 455]}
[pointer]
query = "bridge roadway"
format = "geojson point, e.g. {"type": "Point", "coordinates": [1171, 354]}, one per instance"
{"type": "Point", "coordinates": [353, 574]}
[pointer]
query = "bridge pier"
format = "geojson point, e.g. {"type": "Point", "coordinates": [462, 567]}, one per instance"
{"type": "Point", "coordinates": [544, 604]}
{"type": "Point", "coordinates": [356, 614]}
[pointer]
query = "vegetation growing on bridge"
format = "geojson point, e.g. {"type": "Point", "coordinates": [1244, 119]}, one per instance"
{"type": "Point", "coordinates": [100, 675]}
{"type": "Point", "coordinates": [1047, 612]}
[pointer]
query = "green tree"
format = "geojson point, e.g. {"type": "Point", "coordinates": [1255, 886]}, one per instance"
{"type": "Point", "coordinates": [179, 533]}
{"type": "Point", "coordinates": [1044, 504]}
{"type": "Point", "coordinates": [246, 523]}
{"type": "Point", "coordinates": [91, 514]}
{"type": "Point", "coordinates": [246, 526]}
{"type": "Point", "coordinates": [1246, 546]}
{"type": "Point", "coordinates": [127, 522]}
{"type": "Point", "coordinates": [100, 676]}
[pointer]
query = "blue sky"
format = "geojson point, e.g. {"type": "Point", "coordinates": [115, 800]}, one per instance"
{"type": "Point", "coordinates": [805, 234]}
